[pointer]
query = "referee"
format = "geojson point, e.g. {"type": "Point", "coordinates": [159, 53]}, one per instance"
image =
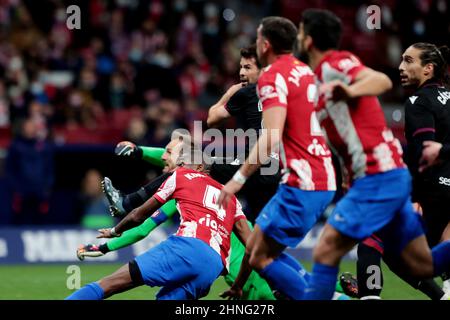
{"type": "Point", "coordinates": [241, 101]}
{"type": "Point", "coordinates": [427, 118]}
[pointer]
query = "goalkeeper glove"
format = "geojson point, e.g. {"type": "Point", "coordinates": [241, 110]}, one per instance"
{"type": "Point", "coordinates": [88, 250]}
{"type": "Point", "coordinates": [128, 149]}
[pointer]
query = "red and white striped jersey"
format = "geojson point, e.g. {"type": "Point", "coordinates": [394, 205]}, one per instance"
{"type": "Point", "coordinates": [197, 194]}
{"type": "Point", "coordinates": [356, 129]}
{"type": "Point", "coordinates": [304, 154]}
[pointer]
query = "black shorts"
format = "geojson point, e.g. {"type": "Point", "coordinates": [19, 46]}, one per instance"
{"type": "Point", "coordinates": [436, 214]}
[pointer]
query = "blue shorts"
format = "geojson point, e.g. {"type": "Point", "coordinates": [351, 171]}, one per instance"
{"type": "Point", "coordinates": [291, 213]}
{"type": "Point", "coordinates": [178, 266]}
{"type": "Point", "coordinates": [379, 203]}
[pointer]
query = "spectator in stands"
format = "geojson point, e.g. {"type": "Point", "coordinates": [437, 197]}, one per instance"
{"type": "Point", "coordinates": [29, 170]}
{"type": "Point", "coordinates": [94, 205]}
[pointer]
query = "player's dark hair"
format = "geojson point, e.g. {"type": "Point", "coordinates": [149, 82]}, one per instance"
{"type": "Point", "coordinates": [324, 27]}
{"type": "Point", "coordinates": [280, 32]}
{"type": "Point", "coordinates": [249, 53]}
{"type": "Point", "coordinates": [438, 57]}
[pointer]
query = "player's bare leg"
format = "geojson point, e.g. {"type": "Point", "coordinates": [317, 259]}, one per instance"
{"type": "Point", "coordinates": [117, 282]}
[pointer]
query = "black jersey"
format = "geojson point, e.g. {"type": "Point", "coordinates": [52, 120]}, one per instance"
{"type": "Point", "coordinates": [427, 117]}
{"type": "Point", "coordinates": [245, 106]}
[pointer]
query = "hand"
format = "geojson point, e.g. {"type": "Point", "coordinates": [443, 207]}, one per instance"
{"type": "Point", "coordinates": [336, 90]}
{"type": "Point", "coordinates": [233, 293]}
{"type": "Point", "coordinates": [430, 154]}
{"type": "Point", "coordinates": [105, 233]}
{"type": "Point", "coordinates": [127, 149]}
{"type": "Point", "coordinates": [417, 208]}
{"type": "Point", "coordinates": [231, 188]}
{"type": "Point", "coordinates": [88, 250]}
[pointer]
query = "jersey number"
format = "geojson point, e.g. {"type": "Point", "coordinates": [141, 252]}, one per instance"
{"type": "Point", "coordinates": [210, 201]}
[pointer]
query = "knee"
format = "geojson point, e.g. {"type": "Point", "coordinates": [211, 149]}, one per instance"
{"type": "Point", "coordinates": [258, 262]}
{"type": "Point", "coordinates": [327, 251]}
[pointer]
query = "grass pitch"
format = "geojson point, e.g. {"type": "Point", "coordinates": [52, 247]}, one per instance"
{"type": "Point", "coordinates": [49, 282]}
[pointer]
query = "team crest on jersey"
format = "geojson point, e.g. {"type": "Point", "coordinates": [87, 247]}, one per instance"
{"type": "Point", "coordinates": [266, 90]}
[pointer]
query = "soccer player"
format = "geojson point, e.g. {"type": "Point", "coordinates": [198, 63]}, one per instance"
{"type": "Point", "coordinates": [286, 89]}
{"type": "Point", "coordinates": [241, 101]}
{"type": "Point", "coordinates": [378, 200]}
{"type": "Point", "coordinates": [178, 263]}
{"type": "Point", "coordinates": [423, 72]}
{"type": "Point", "coordinates": [256, 288]}
{"type": "Point", "coordinates": [427, 118]}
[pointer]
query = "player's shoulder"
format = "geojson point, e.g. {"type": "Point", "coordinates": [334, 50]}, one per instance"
{"type": "Point", "coordinates": [288, 67]}
{"type": "Point", "coordinates": [248, 91]}
{"type": "Point", "coordinates": [343, 60]}
{"type": "Point", "coordinates": [433, 94]}
{"type": "Point", "coordinates": [426, 96]}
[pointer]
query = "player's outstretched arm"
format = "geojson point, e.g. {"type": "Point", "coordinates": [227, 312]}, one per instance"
{"type": "Point", "coordinates": [149, 154]}
{"type": "Point", "coordinates": [153, 155]}
{"type": "Point", "coordinates": [133, 219]}
{"type": "Point", "coordinates": [138, 233]}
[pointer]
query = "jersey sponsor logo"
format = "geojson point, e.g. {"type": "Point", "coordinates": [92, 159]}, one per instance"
{"type": "Point", "coordinates": [444, 181]}
{"type": "Point", "coordinates": [413, 99]}
{"type": "Point", "coordinates": [443, 97]}
{"type": "Point", "coordinates": [297, 73]}
{"type": "Point", "coordinates": [207, 221]}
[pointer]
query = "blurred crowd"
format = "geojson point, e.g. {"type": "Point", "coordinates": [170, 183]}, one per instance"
{"type": "Point", "coordinates": [166, 60]}
{"type": "Point", "coordinates": [137, 69]}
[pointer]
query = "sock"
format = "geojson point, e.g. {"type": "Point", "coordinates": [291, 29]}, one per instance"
{"type": "Point", "coordinates": [441, 258]}
{"type": "Point", "coordinates": [430, 288]}
{"type": "Point", "coordinates": [284, 279]}
{"type": "Point", "coordinates": [295, 264]}
{"type": "Point", "coordinates": [369, 259]}
{"type": "Point", "coordinates": [91, 291]}
{"type": "Point", "coordinates": [322, 282]}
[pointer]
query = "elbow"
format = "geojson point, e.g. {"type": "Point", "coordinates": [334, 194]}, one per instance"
{"type": "Point", "coordinates": [209, 121]}
{"type": "Point", "coordinates": [387, 82]}
{"type": "Point", "coordinates": [212, 120]}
